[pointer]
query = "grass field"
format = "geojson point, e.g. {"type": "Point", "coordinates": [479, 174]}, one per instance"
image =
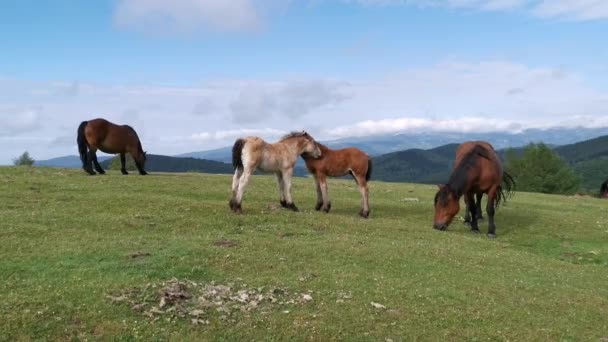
{"type": "Point", "coordinates": [67, 243]}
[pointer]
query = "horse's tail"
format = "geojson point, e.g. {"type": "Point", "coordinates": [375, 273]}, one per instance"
{"type": "Point", "coordinates": [139, 148]}
{"type": "Point", "coordinates": [82, 142]}
{"type": "Point", "coordinates": [237, 154]}
{"type": "Point", "coordinates": [604, 188]}
{"type": "Point", "coordinates": [505, 190]}
{"type": "Point", "coordinates": [368, 175]}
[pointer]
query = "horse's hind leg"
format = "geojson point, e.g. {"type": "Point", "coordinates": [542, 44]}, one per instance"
{"type": "Point", "coordinates": [364, 190]}
{"type": "Point", "coordinates": [97, 166]}
{"type": "Point", "coordinates": [123, 164]}
{"type": "Point", "coordinates": [479, 211]}
{"type": "Point", "coordinates": [472, 208]}
{"type": "Point", "coordinates": [238, 173]}
{"type": "Point", "coordinates": [89, 162]}
{"type": "Point", "coordinates": [491, 209]}
{"type": "Point", "coordinates": [243, 181]}
{"type": "Point", "coordinates": [287, 180]}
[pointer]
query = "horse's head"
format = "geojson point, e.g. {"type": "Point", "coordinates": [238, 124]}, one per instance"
{"type": "Point", "coordinates": [447, 205]}
{"type": "Point", "coordinates": [311, 148]}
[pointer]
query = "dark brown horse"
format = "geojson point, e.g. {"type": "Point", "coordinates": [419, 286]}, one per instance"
{"type": "Point", "coordinates": [100, 134]}
{"type": "Point", "coordinates": [477, 171]}
{"type": "Point", "coordinates": [338, 163]}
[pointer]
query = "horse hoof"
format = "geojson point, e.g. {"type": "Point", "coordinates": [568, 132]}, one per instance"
{"type": "Point", "coordinates": [475, 231]}
{"type": "Point", "coordinates": [292, 207]}
{"type": "Point", "coordinates": [143, 173]}
{"type": "Point", "coordinates": [284, 204]}
{"type": "Point", "coordinates": [124, 172]}
{"type": "Point", "coordinates": [318, 206]}
{"type": "Point", "coordinates": [491, 236]}
{"type": "Point", "coordinates": [364, 214]}
{"type": "Point", "coordinates": [327, 208]}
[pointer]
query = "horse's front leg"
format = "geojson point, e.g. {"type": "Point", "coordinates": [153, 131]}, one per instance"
{"type": "Point", "coordinates": [123, 164]}
{"type": "Point", "coordinates": [324, 194]}
{"type": "Point", "coordinates": [472, 208]}
{"type": "Point", "coordinates": [491, 209]}
{"type": "Point", "coordinates": [319, 193]}
{"type": "Point", "coordinates": [281, 182]}
{"type": "Point", "coordinates": [287, 174]}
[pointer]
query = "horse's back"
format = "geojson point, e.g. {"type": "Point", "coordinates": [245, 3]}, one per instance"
{"type": "Point", "coordinates": [490, 166]}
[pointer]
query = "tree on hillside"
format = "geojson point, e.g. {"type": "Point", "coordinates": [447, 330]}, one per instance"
{"type": "Point", "coordinates": [540, 169]}
{"type": "Point", "coordinates": [115, 163]}
{"type": "Point", "coordinates": [24, 160]}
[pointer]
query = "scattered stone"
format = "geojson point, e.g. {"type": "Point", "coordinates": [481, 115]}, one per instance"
{"type": "Point", "coordinates": [202, 302]}
{"type": "Point", "coordinates": [378, 306]}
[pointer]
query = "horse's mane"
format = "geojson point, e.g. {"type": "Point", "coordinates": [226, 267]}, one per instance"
{"type": "Point", "coordinates": [296, 135]}
{"type": "Point", "coordinates": [459, 177]}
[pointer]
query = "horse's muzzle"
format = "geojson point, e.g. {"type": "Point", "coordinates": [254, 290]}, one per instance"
{"type": "Point", "coordinates": [440, 226]}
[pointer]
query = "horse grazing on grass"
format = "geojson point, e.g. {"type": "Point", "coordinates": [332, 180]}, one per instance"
{"type": "Point", "coordinates": [100, 134]}
{"type": "Point", "coordinates": [253, 153]}
{"type": "Point", "coordinates": [477, 171]}
{"type": "Point", "coordinates": [338, 163]}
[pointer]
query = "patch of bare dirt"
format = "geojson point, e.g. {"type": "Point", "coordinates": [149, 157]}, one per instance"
{"type": "Point", "coordinates": [140, 254]}
{"type": "Point", "coordinates": [226, 243]}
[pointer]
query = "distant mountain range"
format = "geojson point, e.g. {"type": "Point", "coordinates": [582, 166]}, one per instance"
{"type": "Point", "coordinates": [382, 144]}
{"type": "Point", "coordinates": [588, 159]}
{"type": "Point", "coordinates": [407, 157]}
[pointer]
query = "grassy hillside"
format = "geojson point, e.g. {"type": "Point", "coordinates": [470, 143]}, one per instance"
{"type": "Point", "coordinates": [76, 249]}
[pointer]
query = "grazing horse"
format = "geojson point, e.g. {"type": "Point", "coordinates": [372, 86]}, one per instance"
{"type": "Point", "coordinates": [253, 153]}
{"type": "Point", "coordinates": [477, 171]}
{"type": "Point", "coordinates": [338, 163]}
{"type": "Point", "coordinates": [100, 134]}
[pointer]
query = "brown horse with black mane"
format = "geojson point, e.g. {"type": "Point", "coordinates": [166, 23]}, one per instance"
{"type": "Point", "coordinates": [100, 134]}
{"type": "Point", "coordinates": [338, 163]}
{"type": "Point", "coordinates": [477, 171]}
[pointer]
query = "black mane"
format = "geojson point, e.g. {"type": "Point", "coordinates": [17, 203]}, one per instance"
{"type": "Point", "coordinates": [458, 179]}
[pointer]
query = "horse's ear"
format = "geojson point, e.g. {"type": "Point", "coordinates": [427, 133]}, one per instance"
{"type": "Point", "coordinates": [440, 186]}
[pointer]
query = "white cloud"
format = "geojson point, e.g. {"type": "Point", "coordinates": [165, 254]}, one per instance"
{"type": "Point", "coordinates": [16, 120]}
{"type": "Point", "coordinates": [265, 133]}
{"type": "Point", "coordinates": [566, 9]}
{"type": "Point", "coordinates": [292, 99]}
{"type": "Point", "coordinates": [179, 16]}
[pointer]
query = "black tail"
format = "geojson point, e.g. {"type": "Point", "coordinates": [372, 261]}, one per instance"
{"type": "Point", "coordinates": [604, 188]}
{"type": "Point", "coordinates": [237, 154]}
{"type": "Point", "coordinates": [368, 175]}
{"type": "Point", "coordinates": [505, 191]}
{"type": "Point", "coordinates": [82, 143]}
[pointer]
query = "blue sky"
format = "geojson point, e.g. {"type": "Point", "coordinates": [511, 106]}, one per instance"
{"type": "Point", "coordinates": [195, 74]}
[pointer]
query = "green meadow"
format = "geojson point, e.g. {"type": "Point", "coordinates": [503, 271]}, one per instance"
{"type": "Point", "coordinates": [79, 253]}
